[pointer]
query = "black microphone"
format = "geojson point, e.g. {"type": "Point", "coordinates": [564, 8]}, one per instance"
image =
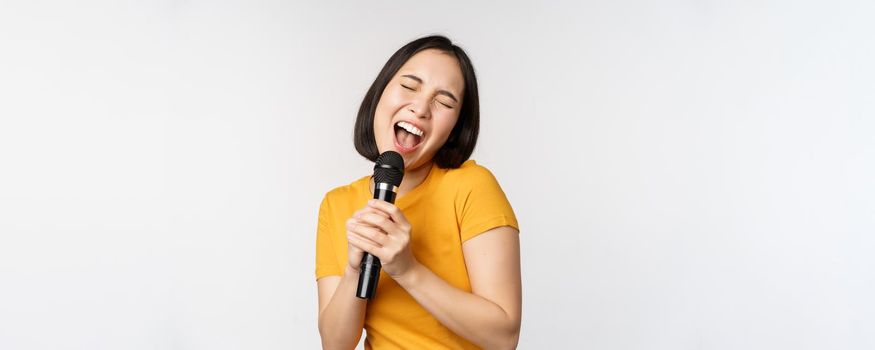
{"type": "Point", "coordinates": [388, 172]}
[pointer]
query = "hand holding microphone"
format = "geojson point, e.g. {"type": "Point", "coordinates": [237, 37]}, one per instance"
{"type": "Point", "coordinates": [380, 229]}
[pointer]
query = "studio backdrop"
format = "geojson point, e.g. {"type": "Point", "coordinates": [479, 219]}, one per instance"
{"type": "Point", "coordinates": [686, 174]}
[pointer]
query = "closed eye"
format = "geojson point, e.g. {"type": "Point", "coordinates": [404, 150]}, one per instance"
{"type": "Point", "coordinates": [412, 89]}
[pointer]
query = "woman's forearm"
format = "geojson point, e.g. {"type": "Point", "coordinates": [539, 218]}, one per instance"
{"type": "Point", "coordinates": [341, 323]}
{"type": "Point", "coordinates": [468, 315]}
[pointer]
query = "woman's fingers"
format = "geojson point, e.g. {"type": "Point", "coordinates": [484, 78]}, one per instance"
{"type": "Point", "coordinates": [363, 237]}
{"type": "Point", "coordinates": [390, 210]}
{"type": "Point", "coordinates": [379, 221]}
{"type": "Point", "coordinates": [364, 244]}
{"type": "Point", "coordinates": [366, 232]}
{"type": "Point", "coordinates": [369, 210]}
{"type": "Point", "coordinates": [382, 230]}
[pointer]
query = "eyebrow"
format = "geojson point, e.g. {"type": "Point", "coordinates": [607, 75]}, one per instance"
{"type": "Point", "coordinates": [440, 92]}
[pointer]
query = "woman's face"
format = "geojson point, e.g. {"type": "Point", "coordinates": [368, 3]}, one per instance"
{"type": "Point", "coordinates": [424, 96]}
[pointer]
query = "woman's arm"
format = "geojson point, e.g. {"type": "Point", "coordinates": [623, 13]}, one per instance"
{"type": "Point", "coordinates": [490, 315]}
{"type": "Point", "coordinates": [341, 313]}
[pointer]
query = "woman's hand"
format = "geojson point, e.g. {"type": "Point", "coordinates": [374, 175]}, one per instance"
{"type": "Point", "coordinates": [382, 230]}
{"type": "Point", "coordinates": [355, 253]}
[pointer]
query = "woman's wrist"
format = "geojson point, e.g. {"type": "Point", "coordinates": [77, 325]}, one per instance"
{"type": "Point", "coordinates": [409, 277]}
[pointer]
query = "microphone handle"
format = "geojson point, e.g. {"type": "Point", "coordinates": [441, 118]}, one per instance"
{"type": "Point", "coordinates": [369, 270]}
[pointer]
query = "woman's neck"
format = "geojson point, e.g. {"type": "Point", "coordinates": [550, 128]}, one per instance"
{"type": "Point", "coordinates": [412, 178]}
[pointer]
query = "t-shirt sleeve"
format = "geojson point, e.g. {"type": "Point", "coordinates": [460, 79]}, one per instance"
{"type": "Point", "coordinates": [326, 256]}
{"type": "Point", "coordinates": [484, 205]}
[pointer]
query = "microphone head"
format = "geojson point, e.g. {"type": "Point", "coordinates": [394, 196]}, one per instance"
{"type": "Point", "coordinates": [389, 168]}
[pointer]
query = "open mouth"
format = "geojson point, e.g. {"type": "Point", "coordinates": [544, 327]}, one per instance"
{"type": "Point", "coordinates": [407, 136]}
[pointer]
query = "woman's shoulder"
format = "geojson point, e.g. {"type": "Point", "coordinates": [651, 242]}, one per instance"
{"type": "Point", "coordinates": [470, 169]}
{"type": "Point", "coordinates": [470, 174]}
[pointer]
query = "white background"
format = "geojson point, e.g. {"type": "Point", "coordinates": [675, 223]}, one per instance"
{"type": "Point", "coordinates": [687, 174]}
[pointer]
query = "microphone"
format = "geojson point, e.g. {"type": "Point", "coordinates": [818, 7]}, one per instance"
{"type": "Point", "coordinates": [388, 172]}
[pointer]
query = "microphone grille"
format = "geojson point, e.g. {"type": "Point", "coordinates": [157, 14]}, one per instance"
{"type": "Point", "coordinates": [389, 168]}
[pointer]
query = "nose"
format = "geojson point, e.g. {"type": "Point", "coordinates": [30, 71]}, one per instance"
{"type": "Point", "coordinates": [419, 108]}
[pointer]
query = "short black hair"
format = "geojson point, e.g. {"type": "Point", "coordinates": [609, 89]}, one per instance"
{"type": "Point", "coordinates": [460, 144]}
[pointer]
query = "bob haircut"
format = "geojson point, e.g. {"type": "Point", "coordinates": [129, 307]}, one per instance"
{"type": "Point", "coordinates": [460, 144]}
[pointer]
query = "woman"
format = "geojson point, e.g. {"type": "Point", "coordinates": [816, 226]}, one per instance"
{"type": "Point", "coordinates": [449, 246]}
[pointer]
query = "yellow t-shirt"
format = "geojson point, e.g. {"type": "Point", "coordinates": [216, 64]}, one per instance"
{"type": "Point", "coordinates": [449, 207]}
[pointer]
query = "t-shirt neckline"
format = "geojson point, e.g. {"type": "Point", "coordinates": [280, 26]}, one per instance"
{"type": "Point", "coordinates": [399, 201]}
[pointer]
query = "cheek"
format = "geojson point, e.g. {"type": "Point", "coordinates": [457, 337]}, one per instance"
{"type": "Point", "coordinates": [390, 100]}
{"type": "Point", "coordinates": [444, 126]}
{"type": "Point", "coordinates": [384, 111]}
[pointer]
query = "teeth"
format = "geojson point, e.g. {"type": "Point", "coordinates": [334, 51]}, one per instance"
{"type": "Point", "coordinates": [409, 127]}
